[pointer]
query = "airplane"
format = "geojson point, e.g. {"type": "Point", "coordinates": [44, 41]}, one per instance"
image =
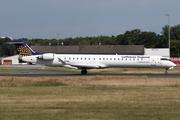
{"type": "Point", "coordinates": [87, 61]}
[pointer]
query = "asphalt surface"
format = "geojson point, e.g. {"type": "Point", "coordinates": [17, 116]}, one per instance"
{"type": "Point", "coordinates": [34, 72]}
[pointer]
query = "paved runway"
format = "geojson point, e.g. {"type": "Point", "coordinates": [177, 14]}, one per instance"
{"type": "Point", "coordinates": [34, 72]}
{"type": "Point", "coordinates": [75, 74]}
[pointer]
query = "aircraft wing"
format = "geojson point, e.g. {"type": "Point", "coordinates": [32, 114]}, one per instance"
{"type": "Point", "coordinates": [85, 66]}
{"type": "Point", "coordinates": [62, 61]}
{"type": "Point", "coordinates": [80, 66]}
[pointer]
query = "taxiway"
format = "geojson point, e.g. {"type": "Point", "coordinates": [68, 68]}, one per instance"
{"type": "Point", "coordinates": [33, 71]}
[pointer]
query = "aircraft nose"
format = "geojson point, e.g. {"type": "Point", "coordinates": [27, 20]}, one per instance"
{"type": "Point", "coordinates": [173, 64]}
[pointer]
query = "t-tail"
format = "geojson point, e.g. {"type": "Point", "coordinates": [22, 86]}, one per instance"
{"type": "Point", "coordinates": [22, 48]}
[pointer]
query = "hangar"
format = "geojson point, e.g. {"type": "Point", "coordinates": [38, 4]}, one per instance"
{"type": "Point", "coordinates": [94, 49]}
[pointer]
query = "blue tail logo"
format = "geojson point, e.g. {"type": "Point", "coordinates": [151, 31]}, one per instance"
{"type": "Point", "coordinates": [22, 48]}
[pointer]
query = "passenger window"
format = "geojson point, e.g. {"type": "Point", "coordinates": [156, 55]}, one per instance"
{"type": "Point", "coordinates": [114, 58]}
{"type": "Point", "coordinates": [99, 58]}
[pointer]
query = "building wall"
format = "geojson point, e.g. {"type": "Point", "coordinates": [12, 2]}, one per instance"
{"type": "Point", "coordinates": [14, 60]}
{"type": "Point", "coordinates": [157, 51]}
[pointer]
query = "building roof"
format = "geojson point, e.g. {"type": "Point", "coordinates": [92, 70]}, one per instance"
{"type": "Point", "coordinates": [98, 49]}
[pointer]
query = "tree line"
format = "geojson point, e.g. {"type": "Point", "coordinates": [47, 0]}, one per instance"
{"type": "Point", "coordinates": [132, 37]}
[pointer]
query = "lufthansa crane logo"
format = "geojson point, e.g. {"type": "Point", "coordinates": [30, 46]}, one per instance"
{"type": "Point", "coordinates": [23, 51]}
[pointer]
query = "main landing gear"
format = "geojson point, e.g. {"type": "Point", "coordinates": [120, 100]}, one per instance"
{"type": "Point", "coordinates": [84, 71]}
{"type": "Point", "coordinates": [166, 71]}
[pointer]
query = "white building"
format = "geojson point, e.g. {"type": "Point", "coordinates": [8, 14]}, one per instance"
{"type": "Point", "coordinates": [157, 51]}
{"type": "Point", "coordinates": [12, 60]}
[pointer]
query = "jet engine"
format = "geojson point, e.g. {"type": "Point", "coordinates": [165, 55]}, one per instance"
{"type": "Point", "coordinates": [46, 56]}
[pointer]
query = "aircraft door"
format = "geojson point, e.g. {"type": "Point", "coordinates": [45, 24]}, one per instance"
{"type": "Point", "coordinates": [153, 62]}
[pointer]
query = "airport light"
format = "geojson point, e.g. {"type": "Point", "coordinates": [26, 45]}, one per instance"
{"type": "Point", "coordinates": [169, 31]}
{"type": "Point", "coordinates": [58, 38]}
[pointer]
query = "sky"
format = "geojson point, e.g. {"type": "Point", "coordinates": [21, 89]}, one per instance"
{"type": "Point", "coordinates": [81, 18]}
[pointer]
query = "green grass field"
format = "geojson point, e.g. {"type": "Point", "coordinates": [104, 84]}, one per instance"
{"type": "Point", "coordinates": [7, 71]}
{"type": "Point", "coordinates": [94, 98]}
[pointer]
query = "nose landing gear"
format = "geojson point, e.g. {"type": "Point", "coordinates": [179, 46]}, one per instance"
{"type": "Point", "coordinates": [166, 71]}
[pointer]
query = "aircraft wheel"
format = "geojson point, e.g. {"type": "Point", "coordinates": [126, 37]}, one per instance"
{"type": "Point", "coordinates": [166, 72]}
{"type": "Point", "coordinates": [83, 72]}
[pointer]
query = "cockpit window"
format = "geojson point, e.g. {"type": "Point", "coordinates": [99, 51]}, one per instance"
{"type": "Point", "coordinates": [164, 59]}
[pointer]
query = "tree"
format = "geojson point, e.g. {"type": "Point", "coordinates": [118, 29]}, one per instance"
{"type": "Point", "coordinates": [175, 32]}
{"type": "Point", "coordinates": [148, 39]}
{"type": "Point", "coordinates": [6, 50]}
{"type": "Point", "coordinates": [84, 42]}
{"type": "Point", "coordinates": [175, 48]}
{"type": "Point", "coordinates": [133, 37]}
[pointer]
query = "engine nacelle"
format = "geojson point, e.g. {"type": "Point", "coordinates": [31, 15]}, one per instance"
{"type": "Point", "coordinates": [48, 56]}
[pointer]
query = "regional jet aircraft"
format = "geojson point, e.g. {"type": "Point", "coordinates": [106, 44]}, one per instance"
{"type": "Point", "coordinates": [86, 61]}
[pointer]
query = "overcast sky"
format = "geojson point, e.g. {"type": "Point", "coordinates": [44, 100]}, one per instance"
{"type": "Point", "coordinates": [81, 18]}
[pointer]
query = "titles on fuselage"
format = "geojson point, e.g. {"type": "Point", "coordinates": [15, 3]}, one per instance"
{"type": "Point", "coordinates": [135, 56]}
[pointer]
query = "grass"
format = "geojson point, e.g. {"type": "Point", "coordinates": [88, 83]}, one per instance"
{"type": "Point", "coordinates": [118, 70]}
{"type": "Point", "coordinates": [7, 71]}
{"type": "Point", "coordinates": [89, 97]}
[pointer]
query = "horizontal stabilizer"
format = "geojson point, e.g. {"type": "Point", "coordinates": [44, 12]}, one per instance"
{"type": "Point", "coordinates": [15, 42]}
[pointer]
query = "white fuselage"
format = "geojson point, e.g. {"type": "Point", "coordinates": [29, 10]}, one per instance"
{"type": "Point", "coordinates": [79, 61]}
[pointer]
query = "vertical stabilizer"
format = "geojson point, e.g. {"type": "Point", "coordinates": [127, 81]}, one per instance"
{"type": "Point", "coordinates": [22, 48]}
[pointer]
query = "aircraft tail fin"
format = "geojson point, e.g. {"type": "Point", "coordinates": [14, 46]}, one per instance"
{"type": "Point", "coordinates": [22, 48]}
